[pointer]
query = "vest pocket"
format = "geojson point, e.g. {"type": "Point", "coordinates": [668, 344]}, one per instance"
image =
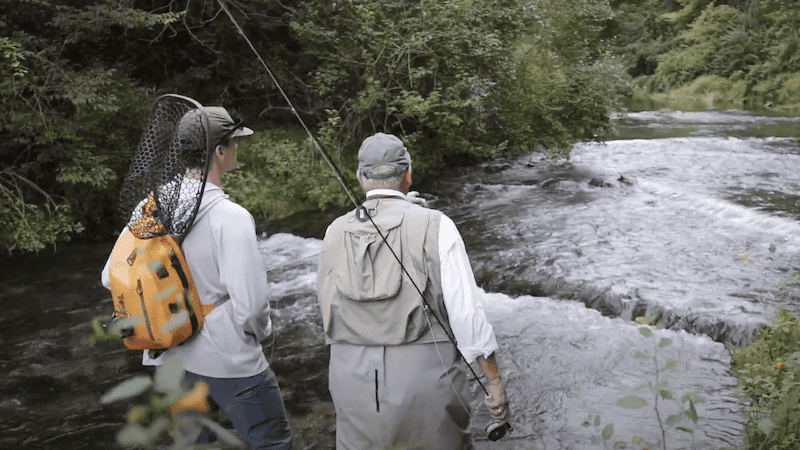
{"type": "Point", "coordinates": [370, 271]}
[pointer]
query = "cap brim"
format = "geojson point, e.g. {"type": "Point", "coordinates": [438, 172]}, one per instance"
{"type": "Point", "coordinates": [243, 131]}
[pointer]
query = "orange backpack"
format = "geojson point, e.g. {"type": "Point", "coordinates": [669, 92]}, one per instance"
{"type": "Point", "coordinates": [151, 283]}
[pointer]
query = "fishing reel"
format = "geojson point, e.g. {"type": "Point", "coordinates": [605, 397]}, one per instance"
{"type": "Point", "coordinates": [496, 430]}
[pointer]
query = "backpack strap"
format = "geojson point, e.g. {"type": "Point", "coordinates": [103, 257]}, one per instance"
{"type": "Point", "coordinates": [180, 237]}
{"type": "Point", "coordinates": [417, 221]}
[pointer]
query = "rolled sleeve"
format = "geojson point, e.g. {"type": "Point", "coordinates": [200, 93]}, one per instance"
{"type": "Point", "coordinates": [462, 297]}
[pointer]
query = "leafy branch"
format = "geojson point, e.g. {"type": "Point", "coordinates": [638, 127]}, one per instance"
{"type": "Point", "coordinates": [164, 406]}
{"type": "Point", "coordinates": [661, 395]}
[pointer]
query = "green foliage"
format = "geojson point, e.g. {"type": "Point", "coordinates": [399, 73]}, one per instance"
{"type": "Point", "coordinates": [11, 69]}
{"type": "Point", "coordinates": [632, 401]}
{"type": "Point", "coordinates": [30, 226]}
{"type": "Point", "coordinates": [662, 395]}
{"type": "Point", "coordinates": [457, 80]}
{"type": "Point", "coordinates": [427, 71]}
{"type": "Point", "coordinates": [165, 407]}
{"type": "Point", "coordinates": [689, 10]}
{"type": "Point", "coordinates": [602, 436]}
{"type": "Point", "coordinates": [640, 33]}
{"type": "Point", "coordinates": [68, 121]}
{"type": "Point", "coordinates": [769, 384]}
{"type": "Point", "coordinates": [752, 44]}
{"type": "Point", "coordinates": [697, 47]}
{"type": "Point", "coordinates": [77, 80]}
{"type": "Point", "coordinates": [790, 286]}
{"type": "Point", "coordinates": [281, 173]}
{"type": "Point", "coordinates": [453, 79]}
{"type": "Point", "coordinates": [102, 331]}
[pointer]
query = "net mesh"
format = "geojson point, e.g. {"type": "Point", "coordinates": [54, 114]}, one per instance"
{"type": "Point", "coordinates": [164, 186]}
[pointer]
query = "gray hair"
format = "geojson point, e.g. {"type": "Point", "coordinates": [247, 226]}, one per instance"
{"type": "Point", "coordinates": [392, 182]}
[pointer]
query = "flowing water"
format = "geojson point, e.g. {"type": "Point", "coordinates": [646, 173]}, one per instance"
{"type": "Point", "coordinates": [690, 218]}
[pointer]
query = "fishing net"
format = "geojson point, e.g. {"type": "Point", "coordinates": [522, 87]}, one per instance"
{"type": "Point", "coordinates": [164, 186]}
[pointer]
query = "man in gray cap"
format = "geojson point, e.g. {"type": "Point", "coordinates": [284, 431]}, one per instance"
{"type": "Point", "coordinates": [221, 250]}
{"type": "Point", "coordinates": [395, 378]}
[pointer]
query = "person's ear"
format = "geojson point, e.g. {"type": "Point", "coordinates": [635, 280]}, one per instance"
{"type": "Point", "coordinates": [218, 151]}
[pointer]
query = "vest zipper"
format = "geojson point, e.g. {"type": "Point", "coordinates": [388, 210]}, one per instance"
{"type": "Point", "coordinates": [377, 399]}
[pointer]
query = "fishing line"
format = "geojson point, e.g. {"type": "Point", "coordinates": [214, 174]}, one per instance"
{"type": "Point", "coordinates": [359, 207]}
{"type": "Point", "coordinates": [330, 162]}
{"type": "Point", "coordinates": [449, 378]}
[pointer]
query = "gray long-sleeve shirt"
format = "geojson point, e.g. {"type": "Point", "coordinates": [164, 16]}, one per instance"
{"type": "Point", "coordinates": [222, 252]}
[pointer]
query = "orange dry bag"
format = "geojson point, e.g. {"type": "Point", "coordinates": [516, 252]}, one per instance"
{"type": "Point", "coordinates": [151, 283]}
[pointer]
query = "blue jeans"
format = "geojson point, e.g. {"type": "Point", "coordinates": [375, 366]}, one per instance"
{"type": "Point", "coordinates": [255, 407]}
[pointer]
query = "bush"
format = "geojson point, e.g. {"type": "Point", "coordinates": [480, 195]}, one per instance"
{"type": "Point", "coordinates": [781, 89]}
{"type": "Point", "coordinates": [769, 384]}
{"type": "Point", "coordinates": [281, 173]}
{"type": "Point", "coordinates": [697, 47]}
{"type": "Point", "coordinates": [457, 78]}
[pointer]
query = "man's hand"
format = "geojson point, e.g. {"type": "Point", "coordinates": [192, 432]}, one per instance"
{"type": "Point", "coordinates": [496, 401]}
{"type": "Point", "coordinates": [414, 197]}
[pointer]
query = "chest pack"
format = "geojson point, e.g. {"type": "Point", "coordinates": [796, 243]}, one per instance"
{"type": "Point", "coordinates": [151, 285]}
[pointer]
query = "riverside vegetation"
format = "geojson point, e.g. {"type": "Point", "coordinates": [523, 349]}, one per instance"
{"type": "Point", "coordinates": [460, 80]}
{"type": "Point", "coordinates": [769, 379]}
{"type": "Point", "coordinates": [660, 391]}
{"type": "Point", "coordinates": [697, 54]}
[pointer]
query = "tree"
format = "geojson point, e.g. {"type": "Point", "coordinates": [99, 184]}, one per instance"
{"type": "Point", "coordinates": [459, 79]}
{"type": "Point", "coordinates": [449, 75]}
{"type": "Point", "coordinates": [746, 48]}
{"type": "Point", "coordinates": [68, 118]}
{"type": "Point", "coordinates": [78, 79]}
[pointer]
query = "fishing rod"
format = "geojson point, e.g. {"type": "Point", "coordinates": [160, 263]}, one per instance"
{"type": "Point", "coordinates": [494, 430]}
{"type": "Point", "coordinates": [280, 266]}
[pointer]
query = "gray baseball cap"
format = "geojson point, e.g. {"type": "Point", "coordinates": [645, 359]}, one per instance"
{"type": "Point", "coordinates": [221, 123]}
{"type": "Point", "coordinates": [381, 150]}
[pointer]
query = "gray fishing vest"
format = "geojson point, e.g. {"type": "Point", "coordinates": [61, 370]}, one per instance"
{"type": "Point", "coordinates": [365, 297]}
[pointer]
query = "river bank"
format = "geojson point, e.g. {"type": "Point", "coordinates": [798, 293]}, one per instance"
{"type": "Point", "coordinates": [711, 93]}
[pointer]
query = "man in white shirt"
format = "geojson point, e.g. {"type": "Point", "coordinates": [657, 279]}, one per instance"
{"type": "Point", "coordinates": [395, 378]}
{"type": "Point", "coordinates": [221, 250]}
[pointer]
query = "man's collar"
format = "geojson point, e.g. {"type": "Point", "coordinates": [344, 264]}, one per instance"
{"type": "Point", "coordinates": [385, 193]}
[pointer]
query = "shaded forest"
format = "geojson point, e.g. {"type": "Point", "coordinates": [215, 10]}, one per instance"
{"type": "Point", "coordinates": [740, 52]}
{"type": "Point", "coordinates": [458, 80]}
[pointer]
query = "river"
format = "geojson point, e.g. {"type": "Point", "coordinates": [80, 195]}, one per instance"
{"type": "Point", "coordinates": [688, 217]}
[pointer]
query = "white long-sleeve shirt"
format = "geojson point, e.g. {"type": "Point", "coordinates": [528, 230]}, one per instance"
{"type": "Point", "coordinates": [229, 272]}
{"type": "Point", "coordinates": [462, 297]}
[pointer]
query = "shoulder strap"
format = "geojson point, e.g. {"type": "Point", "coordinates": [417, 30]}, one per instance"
{"type": "Point", "coordinates": [417, 222]}
{"type": "Point", "coordinates": [182, 236]}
